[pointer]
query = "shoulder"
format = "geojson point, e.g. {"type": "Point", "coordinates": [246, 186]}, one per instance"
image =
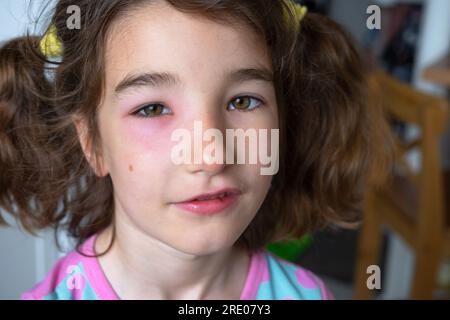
{"type": "Point", "coordinates": [67, 280]}
{"type": "Point", "coordinates": [283, 280]}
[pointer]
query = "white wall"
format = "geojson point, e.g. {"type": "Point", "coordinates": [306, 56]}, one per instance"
{"type": "Point", "coordinates": [18, 16]}
{"type": "Point", "coordinates": [433, 45]}
{"type": "Point", "coordinates": [25, 260]}
{"type": "Point", "coordinates": [351, 14]}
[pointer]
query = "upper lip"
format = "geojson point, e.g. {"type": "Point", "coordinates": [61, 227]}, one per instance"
{"type": "Point", "coordinates": [214, 194]}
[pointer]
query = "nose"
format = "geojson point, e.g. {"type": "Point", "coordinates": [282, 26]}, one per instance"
{"type": "Point", "coordinates": [208, 143]}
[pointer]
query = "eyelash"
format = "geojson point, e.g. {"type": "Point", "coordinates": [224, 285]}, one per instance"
{"type": "Point", "coordinates": [138, 115]}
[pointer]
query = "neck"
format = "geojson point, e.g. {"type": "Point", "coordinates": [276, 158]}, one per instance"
{"type": "Point", "coordinates": [141, 267]}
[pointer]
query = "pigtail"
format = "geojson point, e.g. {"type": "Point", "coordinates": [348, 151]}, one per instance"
{"type": "Point", "coordinates": [22, 84]}
{"type": "Point", "coordinates": [29, 161]}
{"type": "Point", "coordinates": [45, 180]}
{"type": "Point", "coordinates": [336, 137]}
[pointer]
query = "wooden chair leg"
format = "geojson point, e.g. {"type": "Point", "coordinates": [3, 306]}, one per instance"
{"type": "Point", "coordinates": [425, 272]}
{"type": "Point", "coordinates": [367, 254]}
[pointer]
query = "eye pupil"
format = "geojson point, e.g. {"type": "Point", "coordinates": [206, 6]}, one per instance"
{"type": "Point", "coordinates": [240, 103]}
{"type": "Point", "coordinates": [155, 109]}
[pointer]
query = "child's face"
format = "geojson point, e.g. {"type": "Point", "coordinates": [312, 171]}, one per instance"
{"type": "Point", "coordinates": [137, 151]}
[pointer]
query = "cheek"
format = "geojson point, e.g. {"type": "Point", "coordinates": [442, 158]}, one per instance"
{"type": "Point", "coordinates": [261, 182]}
{"type": "Point", "coordinates": [148, 135]}
{"type": "Point", "coordinates": [148, 143]}
{"type": "Point", "coordinates": [263, 187]}
{"type": "Point", "coordinates": [139, 147]}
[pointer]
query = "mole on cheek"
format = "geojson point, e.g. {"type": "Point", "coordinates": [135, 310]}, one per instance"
{"type": "Point", "coordinates": [130, 167]}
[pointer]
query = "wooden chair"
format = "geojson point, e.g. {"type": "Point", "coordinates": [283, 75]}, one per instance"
{"type": "Point", "coordinates": [411, 202]}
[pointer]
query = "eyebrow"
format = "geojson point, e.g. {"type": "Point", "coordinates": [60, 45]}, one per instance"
{"type": "Point", "coordinates": [160, 79]}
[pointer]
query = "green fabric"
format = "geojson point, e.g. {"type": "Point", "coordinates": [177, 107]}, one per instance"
{"type": "Point", "coordinates": [290, 249]}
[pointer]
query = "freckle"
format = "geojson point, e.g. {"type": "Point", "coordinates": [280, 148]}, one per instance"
{"type": "Point", "coordinates": [130, 167]}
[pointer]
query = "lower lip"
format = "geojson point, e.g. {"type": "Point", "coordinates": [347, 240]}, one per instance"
{"type": "Point", "coordinates": [208, 207]}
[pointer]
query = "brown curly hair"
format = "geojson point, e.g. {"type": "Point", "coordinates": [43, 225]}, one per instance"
{"type": "Point", "coordinates": [330, 137]}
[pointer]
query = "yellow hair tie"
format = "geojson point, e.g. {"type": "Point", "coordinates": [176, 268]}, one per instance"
{"type": "Point", "coordinates": [297, 10]}
{"type": "Point", "coordinates": [50, 45]}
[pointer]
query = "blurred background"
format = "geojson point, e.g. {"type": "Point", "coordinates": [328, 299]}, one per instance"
{"type": "Point", "coordinates": [405, 230]}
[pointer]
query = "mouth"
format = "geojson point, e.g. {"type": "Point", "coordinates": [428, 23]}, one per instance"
{"type": "Point", "coordinates": [210, 203]}
{"type": "Point", "coordinates": [221, 194]}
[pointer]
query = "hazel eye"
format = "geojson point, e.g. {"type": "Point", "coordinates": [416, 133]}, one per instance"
{"type": "Point", "coordinates": [152, 110]}
{"type": "Point", "coordinates": [245, 104]}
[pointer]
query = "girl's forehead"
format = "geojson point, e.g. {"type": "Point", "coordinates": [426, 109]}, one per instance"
{"type": "Point", "coordinates": [161, 37]}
